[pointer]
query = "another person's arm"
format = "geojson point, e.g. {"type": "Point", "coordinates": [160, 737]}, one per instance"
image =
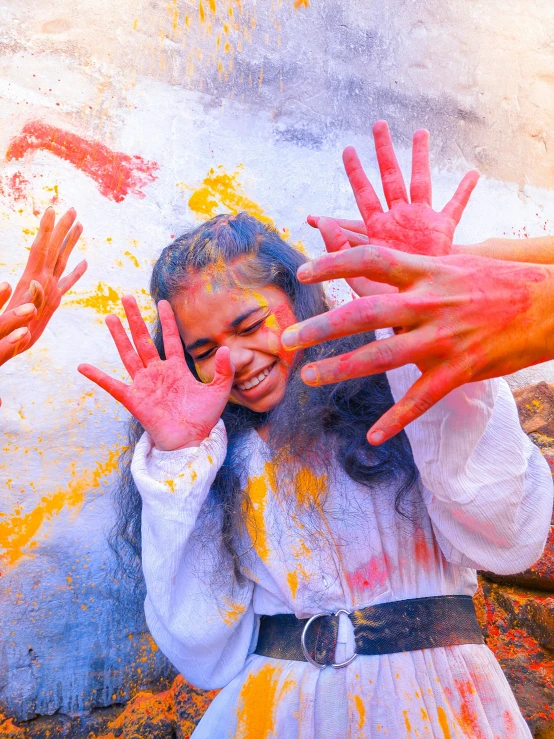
{"type": "Point", "coordinates": [47, 261]}
{"type": "Point", "coordinates": [538, 250]}
{"type": "Point", "coordinates": [464, 318]}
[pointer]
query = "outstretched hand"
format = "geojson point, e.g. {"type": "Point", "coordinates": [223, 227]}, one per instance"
{"type": "Point", "coordinates": [172, 406]}
{"type": "Point", "coordinates": [409, 225]}
{"type": "Point", "coordinates": [47, 261]}
{"type": "Point", "coordinates": [465, 318]}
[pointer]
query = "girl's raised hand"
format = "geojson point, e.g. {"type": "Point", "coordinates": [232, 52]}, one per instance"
{"type": "Point", "coordinates": [172, 406]}
{"type": "Point", "coordinates": [410, 226]}
{"type": "Point", "coordinates": [48, 258]}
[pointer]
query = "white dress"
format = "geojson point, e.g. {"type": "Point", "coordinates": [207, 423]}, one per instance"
{"type": "Point", "coordinates": [486, 504]}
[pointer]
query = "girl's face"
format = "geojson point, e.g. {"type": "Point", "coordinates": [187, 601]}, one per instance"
{"type": "Point", "coordinates": [248, 321]}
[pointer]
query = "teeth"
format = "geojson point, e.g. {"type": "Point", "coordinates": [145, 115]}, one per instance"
{"type": "Point", "coordinates": [255, 380]}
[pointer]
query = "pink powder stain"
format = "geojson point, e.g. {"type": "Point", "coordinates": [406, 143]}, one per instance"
{"type": "Point", "coordinates": [369, 576]}
{"type": "Point", "coordinates": [14, 187]}
{"type": "Point", "coordinates": [116, 174]}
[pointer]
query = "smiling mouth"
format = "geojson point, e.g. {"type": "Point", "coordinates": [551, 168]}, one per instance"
{"type": "Point", "coordinates": [257, 380]}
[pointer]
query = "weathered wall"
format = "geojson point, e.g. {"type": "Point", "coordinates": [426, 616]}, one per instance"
{"type": "Point", "coordinates": [147, 117]}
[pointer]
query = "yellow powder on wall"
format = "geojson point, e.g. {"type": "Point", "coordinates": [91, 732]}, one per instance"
{"type": "Point", "coordinates": [18, 530]}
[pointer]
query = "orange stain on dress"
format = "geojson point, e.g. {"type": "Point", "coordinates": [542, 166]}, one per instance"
{"type": "Point", "coordinates": [301, 4]}
{"type": "Point", "coordinates": [309, 487]}
{"type": "Point", "coordinates": [292, 579]}
{"type": "Point", "coordinates": [257, 492]}
{"type": "Point", "coordinates": [467, 716]}
{"type": "Point", "coordinates": [361, 711]}
{"type": "Point", "coordinates": [232, 612]}
{"type": "Point", "coordinates": [443, 722]}
{"type": "Point", "coordinates": [255, 711]}
{"type": "Point", "coordinates": [17, 531]}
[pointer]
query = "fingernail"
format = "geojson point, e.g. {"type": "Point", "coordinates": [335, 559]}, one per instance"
{"type": "Point", "coordinates": [310, 374]}
{"type": "Point", "coordinates": [24, 310]}
{"type": "Point", "coordinates": [376, 437]}
{"type": "Point", "coordinates": [304, 271]}
{"type": "Point", "coordinates": [4, 286]}
{"type": "Point", "coordinates": [16, 335]}
{"type": "Point", "coordinates": [33, 287]}
{"type": "Point", "coordinates": [315, 219]}
{"type": "Point", "coordinates": [289, 338]}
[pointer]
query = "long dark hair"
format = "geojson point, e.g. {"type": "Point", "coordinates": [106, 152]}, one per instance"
{"type": "Point", "coordinates": [336, 416]}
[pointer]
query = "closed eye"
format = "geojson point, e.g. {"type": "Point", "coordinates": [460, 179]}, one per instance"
{"type": "Point", "coordinates": [253, 327]}
{"type": "Point", "coordinates": [245, 331]}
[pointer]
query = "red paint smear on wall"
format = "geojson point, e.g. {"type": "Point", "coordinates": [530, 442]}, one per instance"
{"type": "Point", "coordinates": [115, 173]}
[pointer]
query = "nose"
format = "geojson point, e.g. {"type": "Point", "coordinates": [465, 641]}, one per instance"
{"type": "Point", "coordinates": [241, 356]}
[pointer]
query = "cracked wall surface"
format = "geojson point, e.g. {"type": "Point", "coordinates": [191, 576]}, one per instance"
{"type": "Point", "coordinates": [148, 117]}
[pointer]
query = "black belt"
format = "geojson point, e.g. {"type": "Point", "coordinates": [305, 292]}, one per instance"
{"type": "Point", "coordinates": [401, 626]}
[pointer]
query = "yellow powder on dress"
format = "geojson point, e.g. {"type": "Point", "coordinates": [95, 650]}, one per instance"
{"type": "Point", "coordinates": [443, 721]}
{"type": "Point", "coordinates": [233, 613]}
{"type": "Point", "coordinates": [308, 486]}
{"type": "Point", "coordinates": [361, 710]}
{"type": "Point", "coordinates": [292, 579]}
{"type": "Point", "coordinates": [255, 519]}
{"type": "Point", "coordinates": [255, 719]}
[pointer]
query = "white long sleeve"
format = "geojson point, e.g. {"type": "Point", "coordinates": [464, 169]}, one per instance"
{"type": "Point", "coordinates": [199, 615]}
{"type": "Point", "coordinates": [487, 488]}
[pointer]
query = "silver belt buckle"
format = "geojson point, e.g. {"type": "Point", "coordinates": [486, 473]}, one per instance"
{"type": "Point", "coordinates": [305, 649]}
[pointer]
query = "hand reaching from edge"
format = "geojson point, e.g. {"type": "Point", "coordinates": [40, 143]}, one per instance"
{"type": "Point", "coordinates": [48, 258]}
{"type": "Point", "coordinates": [166, 399]}
{"type": "Point", "coordinates": [15, 336]}
{"type": "Point", "coordinates": [465, 318]}
{"type": "Point", "coordinates": [412, 227]}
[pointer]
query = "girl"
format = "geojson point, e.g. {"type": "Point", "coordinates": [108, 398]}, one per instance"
{"type": "Point", "coordinates": [260, 504]}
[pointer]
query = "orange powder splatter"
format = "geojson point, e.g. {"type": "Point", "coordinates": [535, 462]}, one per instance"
{"type": "Point", "coordinates": [361, 710]}
{"type": "Point", "coordinates": [308, 486]}
{"type": "Point", "coordinates": [233, 612]}
{"type": "Point", "coordinates": [301, 4]}
{"type": "Point", "coordinates": [255, 519]}
{"type": "Point", "coordinates": [443, 722]}
{"type": "Point", "coordinates": [467, 717]}
{"type": "Point", "coordinates": [292, 579]}
{"type": "Point", "coordinates": [106, 300]}
{"type": "Point", "coordinates": [424, 715]}
{"type": "Point", "coordinates": [132, 257]}
{"type": "Point", "coordinates": [18, 530]}
{"type": "Point", "coordinates": [407, 722]}
{"type": "Point", "coordinates": [256, 704]}
{"type": "Point", "coordinates": [220, 190]}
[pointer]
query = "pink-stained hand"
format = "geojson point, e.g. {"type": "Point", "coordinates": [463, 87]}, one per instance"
{"type": "Point", "coordinates": [409, 225]}
{"type": "Point", "coordinates": [465, 318]}
{"type": "Point", "coordinates": [15, 336]}
{"type": "Point", "coordinates": [165, 398]}
{"type": "Point", "coordinates": [47, 261]}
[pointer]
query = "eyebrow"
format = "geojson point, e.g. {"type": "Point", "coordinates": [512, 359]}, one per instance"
{"type": "Point", "coordinates": [237, 321]}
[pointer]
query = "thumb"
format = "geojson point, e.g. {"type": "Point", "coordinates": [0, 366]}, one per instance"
{"type": "Point", "coordinates": [333, 235]}
{"type": "Point", "coordinates": [224, 368]}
